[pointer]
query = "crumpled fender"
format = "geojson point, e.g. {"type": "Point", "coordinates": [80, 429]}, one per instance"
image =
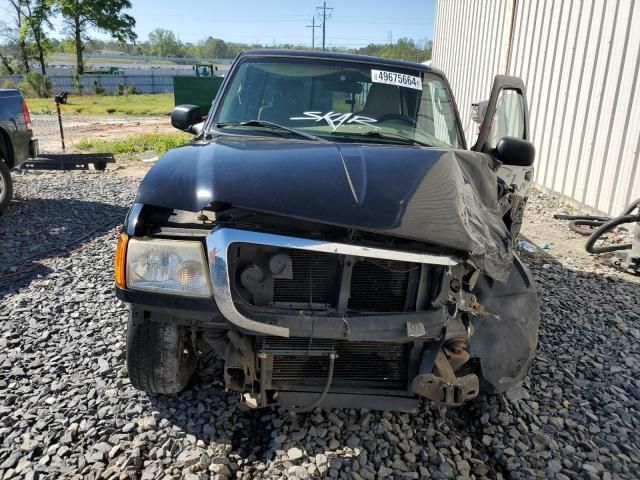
{"type": "Point", "coordinates": [506, 345]}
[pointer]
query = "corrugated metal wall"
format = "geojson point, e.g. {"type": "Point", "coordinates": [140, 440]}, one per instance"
{"type": "Point", "coordinates": [579, 60]}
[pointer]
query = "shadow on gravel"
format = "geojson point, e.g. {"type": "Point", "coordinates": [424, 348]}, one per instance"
{"type": "Point", "coordinates": [34, 230]}
{"type": "Point", "coordinates": [210, 414]}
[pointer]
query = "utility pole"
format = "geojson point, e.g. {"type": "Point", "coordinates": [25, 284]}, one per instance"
{"type": "Point", "coordinates": [313, 27]}
{"type": "Point", "coordinates": [324, 9]}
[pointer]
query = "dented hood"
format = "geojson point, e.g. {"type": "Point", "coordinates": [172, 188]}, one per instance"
{"type": "Point", "coordinates": [443, 197]}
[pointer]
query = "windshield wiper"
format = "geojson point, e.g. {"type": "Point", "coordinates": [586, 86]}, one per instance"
{"type": "Point", "coordinates": [270, 125]}
{"type": "Point", "coordinates": [385, 136]}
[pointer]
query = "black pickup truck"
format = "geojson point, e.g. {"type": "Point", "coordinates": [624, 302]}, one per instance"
{"type": "Point", "coordinates": [328, 234]}
{"type": "Point", "coordinates": [16, 142]}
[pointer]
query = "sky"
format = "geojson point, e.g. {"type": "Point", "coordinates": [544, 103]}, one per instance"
{"type": "Point", "coordinates": [353, 23]}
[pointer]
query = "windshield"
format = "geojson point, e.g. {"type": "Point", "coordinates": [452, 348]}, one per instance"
{"type": "Point", "coordinates": [340, 100]}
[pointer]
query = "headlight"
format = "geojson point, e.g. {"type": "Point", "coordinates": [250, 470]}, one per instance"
{"type": "Point", "coordinates": [168, 266]}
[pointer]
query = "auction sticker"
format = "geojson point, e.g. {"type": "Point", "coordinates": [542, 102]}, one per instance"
{"type": "Point", "coordinates": [399, 79]}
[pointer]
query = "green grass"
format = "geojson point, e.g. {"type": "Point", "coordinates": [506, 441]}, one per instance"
{"type": "Point", "coordinates": [135, 144]}
{"type": "Point", "coordinates": [144, 104]}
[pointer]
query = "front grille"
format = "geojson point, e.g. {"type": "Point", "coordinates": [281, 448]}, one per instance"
{"type": "Point", "coordinates": [380, 285]}
{"type": "Point", "coordinates": [315, 279]}
{"type": "Point", "coordinates": [302, 361]}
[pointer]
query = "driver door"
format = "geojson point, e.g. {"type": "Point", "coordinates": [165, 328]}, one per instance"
{"type": "Point", "coordinates": [506, 115]}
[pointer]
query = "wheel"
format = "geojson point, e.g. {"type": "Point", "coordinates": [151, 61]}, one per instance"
{"type": "Point", "coordinates": [160, 356]}
{"type": "Point", "coordinates": [6, 186]}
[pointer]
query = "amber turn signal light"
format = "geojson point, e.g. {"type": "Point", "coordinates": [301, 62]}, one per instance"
{"type": "Point", "coordinates": [120, 266]}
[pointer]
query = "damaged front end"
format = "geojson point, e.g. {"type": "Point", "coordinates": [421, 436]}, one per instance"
{"type": "Point", "coordinates": [346, 280]}
{"type": "Point", "coordinates": [345, 325]}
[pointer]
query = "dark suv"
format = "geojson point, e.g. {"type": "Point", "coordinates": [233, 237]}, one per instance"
{"type": "Point", "coordinates": [16, 142]}
{"type": "Point", "coordinates": [330, 237]}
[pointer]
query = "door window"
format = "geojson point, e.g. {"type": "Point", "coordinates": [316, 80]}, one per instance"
{"type": "Point", "coordinates": [508, 120]}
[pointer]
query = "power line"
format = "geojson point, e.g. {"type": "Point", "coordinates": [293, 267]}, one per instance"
{"type": "Point", "coordinates": [324, 9]}
{"type": "Point", "coordinates": [313, 27]}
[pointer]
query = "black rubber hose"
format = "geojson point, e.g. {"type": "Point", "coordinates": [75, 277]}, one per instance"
{"type": "Point", "coordinates": [576, 225]}
{"type": "Point", "coordinates": [576, 222]}
{"type": "Point", "coordinates": [631, 207]}
{"type": "Point", "coordinates": [560, 216]}
{"type": "Point", "coordinates": [607, 227]}
{"type": "Point", "coordinates": [325, 390]}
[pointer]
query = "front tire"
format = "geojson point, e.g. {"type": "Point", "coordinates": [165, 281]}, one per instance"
{"type": "Point", "coordinates": [160, 356]}
{"type": "Point", "coordinates": [6, 186]}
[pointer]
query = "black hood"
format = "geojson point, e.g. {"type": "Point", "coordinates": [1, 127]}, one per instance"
{"type": "Point", "coordinates": [444, 197]}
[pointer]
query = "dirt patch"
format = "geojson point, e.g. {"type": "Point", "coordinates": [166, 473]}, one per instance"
{"type": "Point", "coordinates": [132, 168]}
{"type": "Point", "coordinates": [76, 127]}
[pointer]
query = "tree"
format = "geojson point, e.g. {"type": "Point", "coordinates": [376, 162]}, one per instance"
{"type": "Point", "coordinates": [163, 43]}
{"type": "Point", "coordinates": [6, 64]}
{"type": "Point", "coordinates": [213, 48]}
{"type": "Point", "coordinates": [403, 49]}
{"type": "Point", "coordinates": [16, 33]}
{"type": "Point", "coordinates": [36, 19]}
{"type": "Point", "coordinates": [106, 15]}
{"type": "Point", "coordinates": [68, 45]}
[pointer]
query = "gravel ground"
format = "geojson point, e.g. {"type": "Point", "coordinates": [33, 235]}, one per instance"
{"type": "Point", "coordinates": [67, 409]}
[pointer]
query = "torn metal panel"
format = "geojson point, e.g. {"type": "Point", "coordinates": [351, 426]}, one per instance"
{"type": "Point", "coordinates": [506, 339]}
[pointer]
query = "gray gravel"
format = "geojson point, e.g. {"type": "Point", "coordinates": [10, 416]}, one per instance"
{"type": "Point", "coordinates": [67, 409]}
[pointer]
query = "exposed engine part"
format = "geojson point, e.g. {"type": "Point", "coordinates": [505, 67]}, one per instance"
{"type": "Point", "coordinates": [443, 386]}
{"type": "Point", "coordinates": [258, 282]}
{"type": "Point", "coordinates": [265, 373]}
{"type": "Point", "coordinates": [297, 363]}
{"type": "Point", "coordinates": [235, 369]}
{"type": "Point", "coordinates": [300, 280]}
{"type": "Point", "coordinates": [281, 266]}
{"type": "Point", "coordinates": [239, 367]}
{"type": "Point", "coordinates": [215, 340]}
{"type": "Point", "coordinates": [252, 276]}
{"type": "Point", "coordinates": [456, 352]}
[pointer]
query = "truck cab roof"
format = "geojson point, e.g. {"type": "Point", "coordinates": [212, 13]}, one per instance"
{"type": "Point", "coordinates": [349, 57]}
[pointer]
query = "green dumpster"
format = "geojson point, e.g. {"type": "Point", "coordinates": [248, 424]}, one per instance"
{"type": "Point", "coordinates": [196, 91]}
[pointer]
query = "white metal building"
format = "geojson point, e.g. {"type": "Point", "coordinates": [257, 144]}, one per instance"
{"type": "Point", "coordinates": [579, 60]}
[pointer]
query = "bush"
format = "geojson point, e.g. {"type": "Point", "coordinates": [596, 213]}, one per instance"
{"type": "Point", "coordinates": [98, 88]}
{"type": "Point", "coordinates": [8, 84]}
{"type": "Point", "coordinates": [125, 90]}
{"type": "Point", "coordinates": [35, 84]}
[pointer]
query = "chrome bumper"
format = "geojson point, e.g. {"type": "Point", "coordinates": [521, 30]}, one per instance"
{"type": "Point", "coordinates": [220, 239]}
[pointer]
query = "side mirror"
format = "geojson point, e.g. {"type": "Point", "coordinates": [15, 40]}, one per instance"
{"type": "Point", "coordinates": [515, 151]}
{"type": "Point", "coordinates": [186, 117]}
{"type": "Point", "coordinates": [478, 111]}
